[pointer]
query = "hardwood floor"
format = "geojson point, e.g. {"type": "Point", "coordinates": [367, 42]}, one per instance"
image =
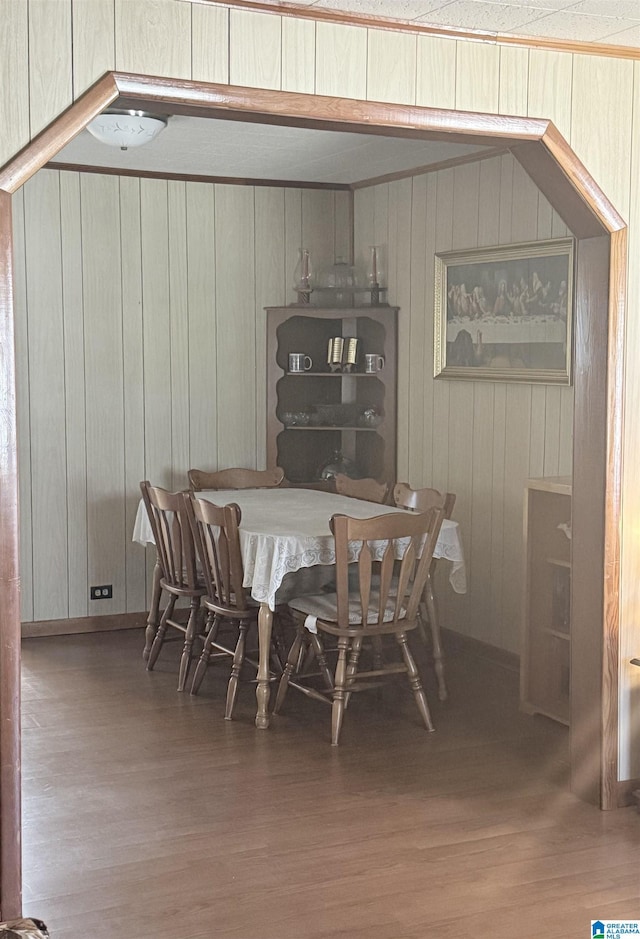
{"type": "Point", "coordinates": [148, 815]}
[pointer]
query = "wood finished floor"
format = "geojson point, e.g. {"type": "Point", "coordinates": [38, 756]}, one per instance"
{"type": "Point", "coordinates": [148, 815]}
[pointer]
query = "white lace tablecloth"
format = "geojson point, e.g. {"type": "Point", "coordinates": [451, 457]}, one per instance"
{"type": "Point", "coordinates": [286, 530]}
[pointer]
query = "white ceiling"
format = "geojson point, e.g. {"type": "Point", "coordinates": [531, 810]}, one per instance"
{"type": "Point", "coordinates": [194, 146]}
{"type": "Point", "coordinates": [615, 22]}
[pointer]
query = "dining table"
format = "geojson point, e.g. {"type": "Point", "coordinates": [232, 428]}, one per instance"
{"type": "Point", "coordinates": [285, 539]}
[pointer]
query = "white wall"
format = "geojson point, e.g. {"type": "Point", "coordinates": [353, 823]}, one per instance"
{"type": "Point", "coordinates": [480, 440]}
{"type": "Point", "coordinates": [141, 351]}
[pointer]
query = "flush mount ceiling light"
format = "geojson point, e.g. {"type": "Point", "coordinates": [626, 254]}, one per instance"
{"type": "Point", "coordinates": [126, 129]}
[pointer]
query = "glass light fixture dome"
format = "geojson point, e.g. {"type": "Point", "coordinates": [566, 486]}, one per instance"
{"type": "Point", "coordinates": [126, 129]}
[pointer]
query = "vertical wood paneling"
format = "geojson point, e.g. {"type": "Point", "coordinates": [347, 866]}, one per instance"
{"type": "Point", "coordinates": [106, 534]}
{"type": "Point", "coordinates": [94, 41]}
{"type": "Point", "coordinates": [419, 318]}
{"type": "Point", "coordinates": [477, 77]}
{"type": "Point", "coordinates": [391, 67]}
{"type": "Point", "coordinates": [514, 68]}
{"type": "Point", "coordinates": [133, 385]}
{"type": "Point", "coordinates": [255, 43]}
{"type": "Point", "coordinates": [179, 336]}
{"type": "Point", "coordinates": [47, 398]}
{"type": "Point", "coordinates": [75, 384]}
{"type": "Point", "coordinates": [201, 289]}
{"type": "Point", "coordinates": [603, 98]}
{"type": "Point", "coordinates": [153, 37]}
{"type": "Point", "coordinates": [399, 281]}
{"type": "Point", "coordinates": [235, 318]}
{"type": "Point", "coordinates": [293, 239]}
{"type": "Point", "coordinates": [22, 406]}
{"type": "Point", "coordinates": [481, 440]}
{"type": "Point", "coordinates": [343, 224]}
{"type": "Point", "coordinates": [14, 78]}
{"type": "Point", "coordinates": [550, 86]}
{"type": "Point", "coordinates": [50, 90]}
{"type": "Point", "coordinates": [209, 43]}
{"type": "Point", "coordinates": [317, 236]}
{"type": "Point", "coordinates": [341, 60]}
{"type": "Point", "coordinates": [298, 55]}
{"type": "Point", "coordinates": [436, 72]}
{"type": "Point", "coordinates": [156, 330]}
{"type": "Point", "coordinates": [271, 290]}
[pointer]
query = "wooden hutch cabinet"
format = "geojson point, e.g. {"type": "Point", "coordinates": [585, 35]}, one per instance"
{"type": "Point", "coordinates": [545, 664]}
{"type": "Point", "coordinates": [317, 415]}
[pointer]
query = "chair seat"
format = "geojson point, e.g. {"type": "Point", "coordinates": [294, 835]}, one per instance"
{"type": "Point", "coordinates": [324, 606]}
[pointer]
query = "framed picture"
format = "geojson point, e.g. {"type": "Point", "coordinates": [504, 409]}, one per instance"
{"type": "Point", "coordinates": [505, 313]}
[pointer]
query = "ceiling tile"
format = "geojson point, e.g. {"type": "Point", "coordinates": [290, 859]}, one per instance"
{"type": "Point", "coordinates": [494, 17]}
{"type": "Point", "coordinates": [396, 9]}
{"type": "Point", "coordinates": [629, 9]}
{"type": "Point", "coordinates": [628, 37]}
{"type": "Point", "coordinates": [570, 25]}
{"type": "Point", "coordinates": [543, 5]}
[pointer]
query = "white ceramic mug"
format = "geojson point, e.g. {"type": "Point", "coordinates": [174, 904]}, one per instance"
{"type": "Point", "coordinates": [373, 363]}
{"type": "Point", "coordinates": [299, 362]}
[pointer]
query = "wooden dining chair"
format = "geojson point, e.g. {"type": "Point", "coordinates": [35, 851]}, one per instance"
{"type": "Point", "coordinates": [235, 478]}
{"type": "Point", "coordinates": [392, 563]}
{"type": "Point", "coordinates": [420, 500]}
{"type": "Point", "coordinates": [178, 570]}
{"type": "Point", "coordinates": [368, 489]}
{"type": "Point", "coordinates": [216, 536]}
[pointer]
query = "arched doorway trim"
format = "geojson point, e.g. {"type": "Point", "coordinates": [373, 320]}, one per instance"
{"type": "Point", "coordinates": [600, 301]}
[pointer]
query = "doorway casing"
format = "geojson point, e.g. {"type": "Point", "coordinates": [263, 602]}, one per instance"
{"type": "Point", "coordinates": [601, 243]}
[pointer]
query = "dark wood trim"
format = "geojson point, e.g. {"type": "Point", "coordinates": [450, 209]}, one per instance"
{"type": "Point", "coordinates": [589, 495]}
{"type": "Point", "coordinates": [617, 300]}
{"type": "Point", "coordinates": [230, 102]}
{"type": "Point", "coordinates": [431, 167]}
{"type": "Point", "coordinates": [10, 794]}
{"type": "Point", "coordinates": [54, 137]}
{"type": "Point", "coordinates": [455, 642]}
{"type": "Point", "coordinates": [84, 624]}
{"type": "Point", "coordinates": [628, 793]}
{"type": "Point", "coordinates": [369, 21]}
{"type": "Point", "coordinates": [192, 178]}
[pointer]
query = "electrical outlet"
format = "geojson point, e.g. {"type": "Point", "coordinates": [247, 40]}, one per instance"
{"type": "Point", "coordinates": [104, 592]}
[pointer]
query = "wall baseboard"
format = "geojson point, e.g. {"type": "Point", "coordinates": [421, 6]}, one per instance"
{"type": "Point", "coordinates": [84, 624]}
{"type": "Point", "coordinates": [458, 642]}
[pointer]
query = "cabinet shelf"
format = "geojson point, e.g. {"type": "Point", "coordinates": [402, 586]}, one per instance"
{"type": "Point", "coordinates": [307, 329]}
{"type": "Point", "coordinates": [310, 374]}
{"type": "Point", "coordinates": [331, 427]}
{"type": "Point", "coordinates": [545, 676]}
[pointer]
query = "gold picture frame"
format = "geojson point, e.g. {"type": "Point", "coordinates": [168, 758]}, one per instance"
{"type": "Point", "coordinates": [505, 313]}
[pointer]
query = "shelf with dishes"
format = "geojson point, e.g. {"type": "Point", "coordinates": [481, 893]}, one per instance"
{"type": "Point", "coordinates": [352, 418]}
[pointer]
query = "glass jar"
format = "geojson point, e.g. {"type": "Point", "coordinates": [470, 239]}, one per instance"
{"type": "Point", "coordinates": [338, 463]}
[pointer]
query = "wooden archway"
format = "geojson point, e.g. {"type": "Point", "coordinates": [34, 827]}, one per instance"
{"type": "Point", "coordinates": [598, 360]}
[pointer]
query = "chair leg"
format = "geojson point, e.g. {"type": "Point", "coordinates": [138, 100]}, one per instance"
{"type": "Point", "coordinates": [238, 659]}
{"type": "Point", "coordinates": [415, 682]}
{"type": "Point", "coordinates": [212, 627]}
{"type": "Point", "coordinates": [337, 709]}
{"type": "Point", "coordinates": [160, 634]}
{"type": "Point", "coordinates": [436, 641]}
{"type": "Point", "coordinates": [154, 612]}
{"type": "Point", "coordinates": [292, 661]}
{"type": "Point", "coordinates": [354, 657]}
{"type": "Point", "coordinates": [189, 636]}
{"type": "Point", "coordinates": [318, 650]}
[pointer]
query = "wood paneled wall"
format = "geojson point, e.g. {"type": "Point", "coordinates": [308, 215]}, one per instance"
{"type": "Point", "coordinates": [141, 336]}
{"type": "Point", "coordinates": [481, 440]}
{"type": "Point", "coordinates": [52, 50]}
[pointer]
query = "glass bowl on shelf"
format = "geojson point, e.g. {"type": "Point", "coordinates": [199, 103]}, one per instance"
{"type": "Point", "coordinates": [337, 464]}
